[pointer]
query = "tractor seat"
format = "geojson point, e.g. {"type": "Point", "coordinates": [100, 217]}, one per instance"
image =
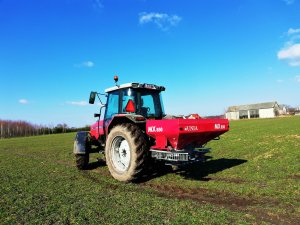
{"type": "Point", "coordinates": [144, 111]}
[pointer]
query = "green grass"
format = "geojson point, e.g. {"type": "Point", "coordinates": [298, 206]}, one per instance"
{"type": "Point", "coordinates": [252, 177]}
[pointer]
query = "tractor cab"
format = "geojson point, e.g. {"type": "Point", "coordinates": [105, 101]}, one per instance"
{"type": "Point", "coordinates": [131, 102]}
{"type": "Point", "coordinates": [135, 99]}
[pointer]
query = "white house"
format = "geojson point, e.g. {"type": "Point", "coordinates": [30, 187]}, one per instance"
{"type": "Point", "coordinates": [259, 110]}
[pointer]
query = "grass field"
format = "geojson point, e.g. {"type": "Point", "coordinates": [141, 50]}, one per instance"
{"type": "Point", "coordinates": [252, 178]}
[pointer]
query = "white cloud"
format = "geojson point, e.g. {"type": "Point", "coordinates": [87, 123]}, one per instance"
{"type": "Point", "coordinates": [292, 31]}
{"type": "Point", "coordinates": [297, 78]}
{"type": "Point", "coordinates": [291, 50]}
{"type": "Point", "coordinates": [161, 20]}
{"type": "Point", "coordinates": [279, 81]}
{"type": "Point", "coordinates": [88, 64]}
{"type": "Point", "coordinates": [291, 54]}
{"type": "Point", "coordinates": [23, 101]}
{"type": "Point", "coordinates": [78, 103]}
{"type": "Point", "coordinates": [289, 2]}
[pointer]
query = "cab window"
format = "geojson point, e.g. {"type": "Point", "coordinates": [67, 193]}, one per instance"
{"type": "Point", "coordinates": [147, 105]}
{"type": "Point", "coordinates": [128, 94]}
{"type": "Point", "coordinates": [112, 107]}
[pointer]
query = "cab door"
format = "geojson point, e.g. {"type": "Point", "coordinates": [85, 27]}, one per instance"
{"type": "Point", "coordinates": [112, 107]}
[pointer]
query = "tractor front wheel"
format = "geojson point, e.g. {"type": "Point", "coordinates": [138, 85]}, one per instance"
{"type": "Point", "coordinates": [126, 152]}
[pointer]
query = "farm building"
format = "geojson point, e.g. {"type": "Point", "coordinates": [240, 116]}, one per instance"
{"type": "Point", "coordinates": [259, 110]}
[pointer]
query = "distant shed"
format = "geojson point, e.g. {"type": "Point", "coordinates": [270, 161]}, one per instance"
{"type": "Point", "coordinates": [259, 110]}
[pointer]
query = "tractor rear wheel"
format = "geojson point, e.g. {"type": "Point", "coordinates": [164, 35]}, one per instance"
{"type": "Point", "coordinates": [126, 152]}
{"type": "Point", "coordinates": [82, 161]}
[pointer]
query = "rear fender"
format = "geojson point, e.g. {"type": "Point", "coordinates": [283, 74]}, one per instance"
{"type": "Point", "coordinates": [125, 118]}
{"type": "Point", "coordinates": [81, 143]}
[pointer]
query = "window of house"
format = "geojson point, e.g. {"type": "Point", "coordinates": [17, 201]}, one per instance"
{"type": "Point", "coordinates": [243, 114]}
{"type": "Point", "coordinates": [254, 113]}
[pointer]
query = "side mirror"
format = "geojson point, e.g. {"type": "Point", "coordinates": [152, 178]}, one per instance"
{"type": "Point", "coordinates": [92, 97]}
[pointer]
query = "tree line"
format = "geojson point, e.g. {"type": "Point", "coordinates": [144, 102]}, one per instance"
{"type": "Point", "coordinates": [9, 128]}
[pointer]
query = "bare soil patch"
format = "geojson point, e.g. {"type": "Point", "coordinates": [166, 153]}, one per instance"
{"type": "Point", "coordinates": [229, 180]}
{"type": "Point", "coordinates": [294, 176]}
{"type": "Point", "coordinates": [228, 200]}
{"type": "Point", "coordinates": [295, 136]}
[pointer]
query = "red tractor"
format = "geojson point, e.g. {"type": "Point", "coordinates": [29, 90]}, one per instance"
{"type": "Point", "coordinates": [135, 133]}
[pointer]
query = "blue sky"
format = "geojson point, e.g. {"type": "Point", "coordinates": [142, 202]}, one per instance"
{"type": "Point", "coordinates": [209, 54]}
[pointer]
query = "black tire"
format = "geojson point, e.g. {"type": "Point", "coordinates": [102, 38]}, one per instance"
{"type": "Point", "coordinates": [82, 161]}
{"type": "Point", "coordinates": [82, 140]}
{"type": "Point", "coordinates": [138, 149]}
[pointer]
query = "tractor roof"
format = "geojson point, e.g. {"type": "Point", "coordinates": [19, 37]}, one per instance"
{"type": "Point", "coordinates": [136, 85]}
